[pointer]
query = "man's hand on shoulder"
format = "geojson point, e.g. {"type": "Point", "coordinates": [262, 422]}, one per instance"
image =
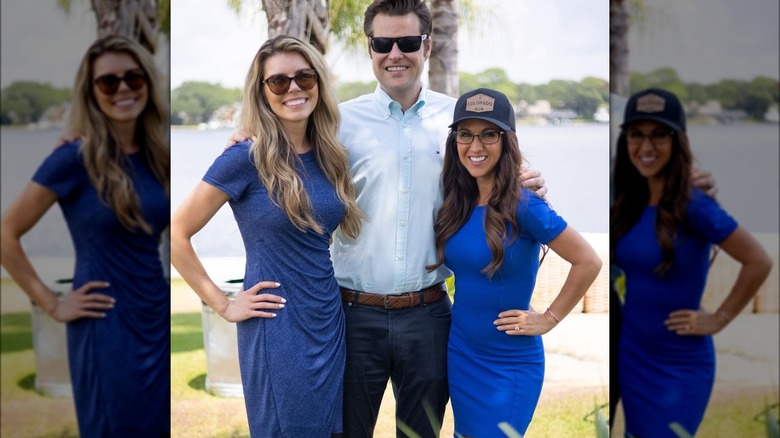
{"type": "Point", "coordinates": [533, 180]}
{"type": "Point", "coordinates": [704, 181]}
{"type": "Point", "coordinates": [238, 136]}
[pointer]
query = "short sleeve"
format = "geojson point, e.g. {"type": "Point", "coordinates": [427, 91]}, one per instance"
{"type": "Point", "coordinates": [60, 171]}
{"type": "Point", "coordinates": [708, 219]}
{"type": "Point", "coordinates": [537, 219]}
{"type": "Point", "coordinates": [233, 171]}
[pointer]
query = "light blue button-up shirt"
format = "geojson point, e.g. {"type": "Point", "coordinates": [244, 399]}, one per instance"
{"type": "Point", "coordinates": [395, 159]}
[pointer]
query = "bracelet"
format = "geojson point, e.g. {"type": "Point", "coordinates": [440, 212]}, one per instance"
{"type": "Point", "coordinates": [553, 315]}
{"type": "Point", "coordinates": [723, 315]}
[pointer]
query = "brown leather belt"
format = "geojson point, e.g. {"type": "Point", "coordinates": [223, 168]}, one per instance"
{"type": "Point", "coordinates": [396, 301]}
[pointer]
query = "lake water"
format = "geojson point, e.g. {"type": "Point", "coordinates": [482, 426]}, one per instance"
{"type": "Point", "coordinates": [574, 160]}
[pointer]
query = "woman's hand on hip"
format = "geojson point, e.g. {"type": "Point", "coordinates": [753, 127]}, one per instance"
{"type": "Point", "coordinates": [687, 322]}
{"type": "Point", "coordinates": [82, 304]}
{"type": "Point", "coordinates": [252, 303]}
{"type": "Point", "coordinates": [523, 322]}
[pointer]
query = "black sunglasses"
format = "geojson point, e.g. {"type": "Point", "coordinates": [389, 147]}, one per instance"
{"type": "Point", "coordinates": [406, 44]}
{"type": "Point", "coordinates": [305, 78]}
{"type": "Point", "coordinates": [109, 84]}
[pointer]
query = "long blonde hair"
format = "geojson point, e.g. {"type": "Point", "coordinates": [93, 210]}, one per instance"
{"type": "Point", "coordinates": [275, 157]}
{"type": "Point", "coordinates": [102, 154]}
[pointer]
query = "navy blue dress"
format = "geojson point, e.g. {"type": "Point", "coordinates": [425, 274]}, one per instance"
{"type": "Point", "coordinates": [292, 366]}
{"type": "Point", "coordinates": [120, 364]}
{"type": "Point", "coordinates": [665, 377]}
{"type": "Point", "coordinates": [495, 377]}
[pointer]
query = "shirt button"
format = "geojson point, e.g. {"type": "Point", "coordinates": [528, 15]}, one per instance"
{"type": "Point", "coordinates": [403, 223]}
{"type": "Point", "coordinates": [404, 190]}
{"type": "Point", "coordinates": [406, 156]}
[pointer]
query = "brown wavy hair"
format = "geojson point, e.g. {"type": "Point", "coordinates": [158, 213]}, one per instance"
{"type": "Point", "coordinates": [103, 157]}
{"type": "Point", "coordinates": [460, 194]}
{"type": "Point", "coordinates": [632, 195]}
{"type": "Point", "coordinates": [398, 8]}
{"type": "Point", "coordinates": [274, 155]}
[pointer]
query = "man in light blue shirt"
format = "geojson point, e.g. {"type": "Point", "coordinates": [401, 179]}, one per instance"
{"type": "Point", "coordinates": [397, 312]}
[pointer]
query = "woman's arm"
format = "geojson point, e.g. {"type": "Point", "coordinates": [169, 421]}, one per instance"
{"type": "Point", "coordinates": [585, 266]}
{"type": "Point", "coordinates": [34, 201]}
{"type": "Point", "coordinates": [193, 214]}
{"type": "Point", "coordinates": [756, 266]}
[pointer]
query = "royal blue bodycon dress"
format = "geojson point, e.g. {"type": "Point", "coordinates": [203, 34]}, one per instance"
{"type": "Point", "coordinates": [495, 377]}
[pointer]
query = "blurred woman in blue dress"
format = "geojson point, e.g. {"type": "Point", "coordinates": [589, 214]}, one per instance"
{"type": "Point", "coordinates": [661, 235]}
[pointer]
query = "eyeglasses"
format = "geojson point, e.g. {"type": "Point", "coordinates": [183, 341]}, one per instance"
{"type": "Point", "coordinates": [406, 44]}
{"type": "Point", "coordinates": [658, 136]}
{"type": "Point", "coordinates": [305, 78]}
{"type": "Point", "coordinates": [109, 84]}
{"type": "Point", "coordinates": [487, 137]}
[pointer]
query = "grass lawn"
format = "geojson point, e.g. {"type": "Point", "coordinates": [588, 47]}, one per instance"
{"type": "Point", "coordinates": [195, 413]}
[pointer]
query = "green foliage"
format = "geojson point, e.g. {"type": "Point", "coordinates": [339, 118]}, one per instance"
{"type": "Point", "coordinates": [754, 97]}
{"type": "Point", "coordinates": [351, 90]}
{"type": "Point", "coordinates": [24, 102]}
{"type": "Point", "coordinates": [195, 101]}
{"type": "Point", "coordinates": [346, 22]}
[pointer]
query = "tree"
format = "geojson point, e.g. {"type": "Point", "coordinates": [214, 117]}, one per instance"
{"type": "Point", "coordinates": [138, 20]}
{"type": "Point", "coordinates": [314, 20]}
{"type": "Point", "coordinates": [25, 101]}
{"type": "Point", "coordinates": [306, 20]}
{"type": "Point", "coordinates": [194, 101]}
{"type": "Point", "coordinates": [618, 47]}
{"type": "Point", "coordinates": [443, 63]}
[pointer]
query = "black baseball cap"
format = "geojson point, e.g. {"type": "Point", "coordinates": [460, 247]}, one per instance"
{"type": "Point", "coordinates": [485, 104]}
{"type": "Point", "coordinates": [657, 105]}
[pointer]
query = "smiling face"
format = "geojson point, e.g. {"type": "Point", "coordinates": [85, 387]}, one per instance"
{"type": "Point", "coordinates": [649, 150]}
{"type": "Point", "coordinates": [125, 105]}
{"type": "Point", "coordinates": [399, 73]}
{"type": "Point", "coordinates": [479, 159]}
{"type": "Point", "coordinates": [296, 105]}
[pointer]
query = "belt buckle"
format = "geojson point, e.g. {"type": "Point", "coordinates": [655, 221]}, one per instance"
{"type": "Point", "coordinates": [386, 301]}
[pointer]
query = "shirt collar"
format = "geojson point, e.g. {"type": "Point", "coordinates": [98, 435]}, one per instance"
{"type": "Point", "coordinates": [388, 105]}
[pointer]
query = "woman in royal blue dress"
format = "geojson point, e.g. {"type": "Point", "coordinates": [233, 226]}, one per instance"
{"type": "Point", "coordinates": [489, 232]}
{"type": "Point", "coordinates": [112, 187]}
{"type": "Point", "coordinates": [661, 235]}
{"type": "Point", "coordinates": [289, 189]}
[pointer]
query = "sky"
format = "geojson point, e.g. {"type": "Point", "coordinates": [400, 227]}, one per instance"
{"type": "Point", "coordinates": [212, 43]}
{"type": "Point", "coordinates": [708, 40]}
{"type": "Point", "coordinates": [533, 41]}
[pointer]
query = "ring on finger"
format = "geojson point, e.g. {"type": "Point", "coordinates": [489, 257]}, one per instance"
{"type": "Point", "coordinates": [517, 328]}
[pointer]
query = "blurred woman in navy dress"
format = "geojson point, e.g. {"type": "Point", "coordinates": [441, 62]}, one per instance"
{"type": "Point", "coordinates": [113, 189]}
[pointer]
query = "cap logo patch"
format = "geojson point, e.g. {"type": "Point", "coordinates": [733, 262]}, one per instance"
{"type": "Point", "coordinates": [479, 103]}
{"type": "Point", "coordinates": [651, 103]}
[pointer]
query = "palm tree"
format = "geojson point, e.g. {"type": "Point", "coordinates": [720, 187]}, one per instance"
{"type": "Point", "coordinates": [139, 20]}
{"type": "Point", "coordinates": [314, 20]}
{"type": "Point", "coordinates": [443, 71]}
{"type": "Point", "coordinates": [618, 47]}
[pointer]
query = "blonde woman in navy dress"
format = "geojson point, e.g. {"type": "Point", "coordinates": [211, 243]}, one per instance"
{"type": "Point", "coordinates": [661, 234]}
{"type": "Point", "coordinates": [489, 232]}
{"type": "Point", "coordinates": [112, 187]}
{"type": "Point", "coordinates": [289, 189]}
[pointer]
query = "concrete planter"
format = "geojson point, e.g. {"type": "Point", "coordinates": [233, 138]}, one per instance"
{"type": "Point", "coordinates": [223, 377]}
{"type": "Point", "coordinates": [52, 374]}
